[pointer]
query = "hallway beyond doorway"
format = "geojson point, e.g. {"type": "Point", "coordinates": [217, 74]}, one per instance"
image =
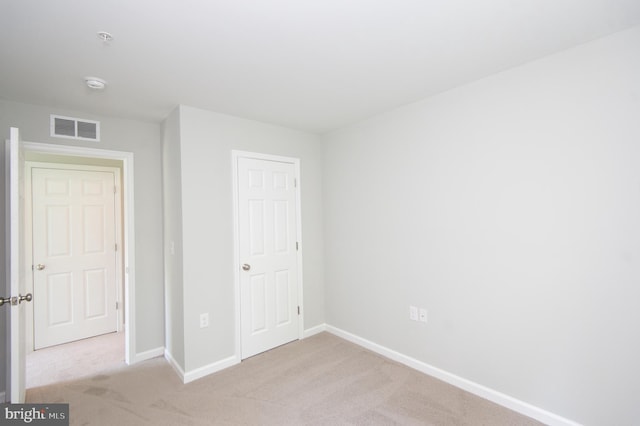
{"type": "Point", "coordinates": [75, 360]}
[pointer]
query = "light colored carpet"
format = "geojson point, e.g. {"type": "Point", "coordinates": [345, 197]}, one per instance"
{"type": "Point", "coordinates": [75, 360]}
{"type": "Point", "coordinates": [322, 380]}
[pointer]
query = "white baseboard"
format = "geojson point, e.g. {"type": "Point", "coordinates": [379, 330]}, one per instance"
{"type": "Point", "coordinates": [314, 330]}
{"type": "Point", "coordinates": [457, 381]}
{"type": "Point", "coordinates": [198, 373]}
{"type": "Point", "coordinates": [151, 353]}
{"type": "Point", "coordinates": [224, 363]}
{"type": "Point", "coordinates": [173, 363]}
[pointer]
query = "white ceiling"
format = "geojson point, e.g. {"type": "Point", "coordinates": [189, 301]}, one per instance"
{"type": "Point", "coordinates": [311, 65]}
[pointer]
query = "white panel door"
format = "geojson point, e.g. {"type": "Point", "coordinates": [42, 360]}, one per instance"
{"type": "Point", "coordinates": [74, 255]}
{"type": "Point", "coordinates": [268, 254]}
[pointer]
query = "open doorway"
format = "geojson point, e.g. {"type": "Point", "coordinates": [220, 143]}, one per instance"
{"type": "Point", "coordinates": [75, 360]}
{"type": "Point", "coordinates": [112, 346]}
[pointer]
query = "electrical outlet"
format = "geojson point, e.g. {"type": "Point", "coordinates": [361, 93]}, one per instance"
{"type": "Point", "coordinates": [423, 315]}
{"type": "Point", "coordinates": [204, 320]}
{"type": "Point", "coordinates": [413, 313]}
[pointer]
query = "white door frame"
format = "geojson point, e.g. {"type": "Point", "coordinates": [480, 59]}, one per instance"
{"type": "Point", "coordinates": [28, 229]}
{"type": "Point", "coordinates": [128, 226]}
{"type": "Point", "coordinates": [235, 155]}
{"type": "Point", "coordinates": [16, 357]}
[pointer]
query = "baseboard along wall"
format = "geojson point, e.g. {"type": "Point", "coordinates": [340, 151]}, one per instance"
{"type": "Point", "coordinates": [174, 364]}
{"type": "Point", "coordinates": [492, 395]}
{"type": "Point", "coordinates": [499, 398]}
{"type": "Point", "coordinates": [143, 356]}
{"type": "Point", "coordinates": [314, 330]}
{"type": "Point", "coordinates": [190, 376]}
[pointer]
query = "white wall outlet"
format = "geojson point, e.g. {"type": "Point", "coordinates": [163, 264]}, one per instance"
{"type": "Point", "coordinates": [413, 313]}
{"type": "Point", "coordinates": [204, 320]}
{"type": "Point", "coordinates": [423, 315]}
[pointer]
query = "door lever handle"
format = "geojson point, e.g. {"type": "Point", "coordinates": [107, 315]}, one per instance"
{"type": "Point", "coordinates": [40, 266]}
{"type": "Point", "coordinates": [246, 267]}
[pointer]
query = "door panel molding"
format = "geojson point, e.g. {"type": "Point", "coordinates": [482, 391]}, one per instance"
{"type": "Point", "coordinates": [235, 158]}
{"type": "Point", "coordinates": [107, 177]}
{"type": "Point", "coordinates": [120, 274]}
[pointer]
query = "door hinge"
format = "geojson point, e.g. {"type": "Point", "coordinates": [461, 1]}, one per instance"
{"type": "Point", "coordinates": [298, 310]}
{"type": "Point", "coordinates": [295, 183]}
{"type": "Point", "coordinates": [115, 189]}
{"type": "Point", "coordinates": [297, 246]}
{"type": "Point", "coordinates": [117, 306]}
{"type": "Point", "coordinates": [116, 246]}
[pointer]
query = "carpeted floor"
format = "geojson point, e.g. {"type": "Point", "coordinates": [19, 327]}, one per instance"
{"type": "Point", "coordinates": [71, 361]}
{"type": "Point", "coordinates": [322, 380]}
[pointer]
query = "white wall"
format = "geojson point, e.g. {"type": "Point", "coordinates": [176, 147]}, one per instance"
{"type": "Point", "coordinates": [172, 209]}
{"type": "Point", "coordinates": [144, 140]}
{"type": "Point", "coordinates": [206, 142]}
{"type": "Point", "coordinates": [510, 208]}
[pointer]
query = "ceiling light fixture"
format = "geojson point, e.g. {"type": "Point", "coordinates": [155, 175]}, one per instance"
{"type": "Point", "coordinates": [95, 83]}
{"type": "Point", "coordinates": [105, 36]}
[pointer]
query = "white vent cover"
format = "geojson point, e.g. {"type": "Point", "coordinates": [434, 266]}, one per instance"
{"type": "Point", "coordinates": [75, 128]}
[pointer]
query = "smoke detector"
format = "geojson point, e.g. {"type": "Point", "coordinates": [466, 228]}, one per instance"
{"type": "Point", "coordinates": [95, 83]}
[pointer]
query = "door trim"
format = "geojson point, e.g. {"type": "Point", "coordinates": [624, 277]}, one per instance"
{"type": "Point", "coordinates": [128, 227]}
{"type": "Point", "coordinates": [16, 357]}
{"type": "Point", "coordinates": [28, 205]}
{"type": "Point", "coordinates": [235, 156]}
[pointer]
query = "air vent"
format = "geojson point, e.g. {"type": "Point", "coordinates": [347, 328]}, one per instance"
{"type": "Point", "coordinates": [75, 128]}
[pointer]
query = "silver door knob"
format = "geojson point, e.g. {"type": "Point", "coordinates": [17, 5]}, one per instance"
{"type": "Point", "coordinates": [27, 297]}
{"type": "Point", "coordinates": [246, 267]}
{"type": "Point", "coordinates": [40, 266]}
